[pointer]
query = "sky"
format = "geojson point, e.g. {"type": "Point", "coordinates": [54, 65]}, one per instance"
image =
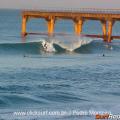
{"type": "Point", "coordinates": [38, 4]}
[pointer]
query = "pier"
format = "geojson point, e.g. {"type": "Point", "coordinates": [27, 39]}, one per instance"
{"type": "Point", "coordinates": [107, 17]}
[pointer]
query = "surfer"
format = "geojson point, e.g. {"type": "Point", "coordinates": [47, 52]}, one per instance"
{"type": "Point", "coordinates": [103, 55]}
{"type": "Point", "coordinates": [48, 47]}
{"type": "Point", "coordinates": [24, 55]}
{"type": "Point", "coordinates": [45, 46]}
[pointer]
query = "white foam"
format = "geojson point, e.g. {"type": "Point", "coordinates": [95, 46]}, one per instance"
{"type": "Point", "coordinates": [71, 43]}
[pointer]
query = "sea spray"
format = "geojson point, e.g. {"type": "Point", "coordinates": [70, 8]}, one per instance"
{"type": "Point", "coordinates": [69, 43]}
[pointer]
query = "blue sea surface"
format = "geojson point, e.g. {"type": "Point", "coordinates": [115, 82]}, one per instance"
{"type": "Point", "coordinates": [32, 80]}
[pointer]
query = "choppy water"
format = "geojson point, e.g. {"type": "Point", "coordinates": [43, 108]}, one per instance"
{"type": "Point", "coordinates": [34, 80]}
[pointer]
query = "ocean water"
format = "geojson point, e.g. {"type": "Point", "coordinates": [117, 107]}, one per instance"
{"type": "Point", "coordinates": [73, 81]}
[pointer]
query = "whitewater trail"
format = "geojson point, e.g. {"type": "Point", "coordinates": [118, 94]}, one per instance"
{"type": "Point", "coordinates": [69, 43]}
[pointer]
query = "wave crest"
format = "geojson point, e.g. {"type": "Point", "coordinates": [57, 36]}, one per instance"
{"type": "Point", "coordinates": [69, 43]}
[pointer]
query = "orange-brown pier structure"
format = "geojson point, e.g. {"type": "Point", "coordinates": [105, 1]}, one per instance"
{"type": "Point", "coordinates": [107, 17]}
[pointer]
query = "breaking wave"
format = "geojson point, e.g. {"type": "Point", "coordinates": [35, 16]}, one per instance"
{"type": "Point", "coordinates": [59, 44]}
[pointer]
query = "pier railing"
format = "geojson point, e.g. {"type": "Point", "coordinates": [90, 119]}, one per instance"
{"type": "Point", "coordinates": [82, 10]}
